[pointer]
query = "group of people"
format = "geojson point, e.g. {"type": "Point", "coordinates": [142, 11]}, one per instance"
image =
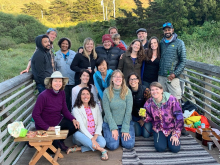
{"type": "Point", "coordinates": [100, 90]}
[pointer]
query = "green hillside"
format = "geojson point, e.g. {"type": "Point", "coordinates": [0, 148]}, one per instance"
{"type": "Point", "coordinates": [65, 13]}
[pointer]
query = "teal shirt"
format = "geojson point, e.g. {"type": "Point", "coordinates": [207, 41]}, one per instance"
{"type": "Point", "coordinates": [117, 111]}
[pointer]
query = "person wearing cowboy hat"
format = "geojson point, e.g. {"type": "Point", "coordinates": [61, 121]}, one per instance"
{"type": "Point", "coordinates": [51, 110]}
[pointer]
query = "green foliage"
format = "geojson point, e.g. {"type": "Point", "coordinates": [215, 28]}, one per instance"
{"type": "Point", "coordinates": [6, 43]}
{"type": "Point", "coordinates": [86, 10]}
{"type": "Point", "coordinates": [33, 9]}
{"type": "Point", "coordinates": [21, 28]}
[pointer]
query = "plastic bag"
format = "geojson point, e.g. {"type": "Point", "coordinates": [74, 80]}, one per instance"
{"type": "Point", "coordinates": [16, 129]}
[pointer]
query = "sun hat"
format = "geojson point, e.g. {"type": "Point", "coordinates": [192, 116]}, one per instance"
{"type": "Point", "coordinates": [56, 74]}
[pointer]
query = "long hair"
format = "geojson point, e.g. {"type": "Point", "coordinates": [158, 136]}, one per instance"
{"type": "Point", "coordinates": [124, 88]}
{"type": "Point", "coordinates": [79, 103]}
{"type": "Point", "coordinates": [149, 51]}
{"type": "Point", "coordinates": [87, 40]}
{"type": "Point", "coordinates": [140, 53]}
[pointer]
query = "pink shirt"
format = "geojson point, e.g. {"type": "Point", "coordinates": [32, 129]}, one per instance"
{"type": "Point", "coordinates": [90, 121]}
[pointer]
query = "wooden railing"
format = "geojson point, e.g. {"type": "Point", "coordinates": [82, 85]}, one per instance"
{"type": "Point", "coordinates": [202, 87]}
{"type": "Point", "coordinates": [17, 99]}
{"type": "Point", "coordinates": [18, 95]}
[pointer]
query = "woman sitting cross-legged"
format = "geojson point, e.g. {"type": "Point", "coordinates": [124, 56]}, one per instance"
{"type": "Point", "coordinates": [164, 111]}
{"type": "Point", "coordinates": [51, 110]}
{"type": "Point", "coordinates": [140, 95]}
{"type": "Point", "coordinates": [117, 103]}
{"type": "Point", "coordinates": [89, 136]}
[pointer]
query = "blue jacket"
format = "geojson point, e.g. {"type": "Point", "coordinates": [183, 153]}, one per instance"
{"type": "Point", "coordinates": [173, 57]}
{"type": "Point", "coordinates": [99, 83]}
{"type": "Point", "coordinates": [64, 65]}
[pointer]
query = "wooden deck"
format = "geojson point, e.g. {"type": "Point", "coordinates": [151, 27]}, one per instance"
{"type": "Point", "coordinates": [76, 158]}
{"type": "Point", "coordinates": [92, 158]}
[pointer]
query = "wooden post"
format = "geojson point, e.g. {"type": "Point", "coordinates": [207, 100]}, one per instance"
{"type": "Point", "coordinates": [207, 95]}
{"type": "Point", "coordinates": [189, 85]}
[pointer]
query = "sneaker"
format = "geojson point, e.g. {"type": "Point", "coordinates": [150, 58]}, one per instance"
{"type": "Point", "coordinates": [184, 132]}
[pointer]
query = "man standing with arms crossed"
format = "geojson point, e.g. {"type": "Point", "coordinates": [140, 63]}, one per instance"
{"type": "Point", "coordinates": [172, 62]}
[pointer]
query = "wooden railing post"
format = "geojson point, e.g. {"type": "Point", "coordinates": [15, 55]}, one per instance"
{"type": "Point", "coordinates": [188, 85]}
{"type": "Point", "coordinates": [207, 95]}
{"type": "Point", "coordinates": [1, 152]}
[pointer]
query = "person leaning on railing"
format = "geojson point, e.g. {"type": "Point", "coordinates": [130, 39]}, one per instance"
{"type": "Point", "coordinates": [164, 111]}
{"type": "Point", "coordinates": [51, 110]}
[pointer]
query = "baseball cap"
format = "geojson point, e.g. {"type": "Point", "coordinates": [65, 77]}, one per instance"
{"type": "Point", "coordinates": [167, 24]}
{"type": "Point", "coordinates": [141, 30]}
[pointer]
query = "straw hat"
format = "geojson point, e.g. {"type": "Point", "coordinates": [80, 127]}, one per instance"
{"type": "Point", "coordinates": [56, 74]}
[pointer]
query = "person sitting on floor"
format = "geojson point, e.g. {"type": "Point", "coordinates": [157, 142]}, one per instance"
{"type": "Point", "coordinates": [140, 95]}
{"type": "Point", "coordinates": [164, 111]}
{"type": "Point", "coordinates": [117, 103]}
{"type": "Point", "coordinates": [84, 77]}
{"type": "Point", "coordinates": [51, 110]}
{"type": "Point", "coordinates": [89, 136]}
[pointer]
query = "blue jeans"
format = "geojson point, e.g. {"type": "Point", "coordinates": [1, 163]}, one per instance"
{"type": "Point", "coordinates": [144, 131]}
{"type": "Point", "coordinates": [113, 144]}
{"type": "Point", "coordinates": [86, 143]}
{"type": "Point", "coordinates": [161, 142]}
{"type": "Point", "coordinates": [40, 88]}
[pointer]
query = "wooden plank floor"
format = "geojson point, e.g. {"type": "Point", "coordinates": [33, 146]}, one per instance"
{"type": "Point", "coordinates": [76, 158]}
{"type": "Point", "coordinates": [92, 158]}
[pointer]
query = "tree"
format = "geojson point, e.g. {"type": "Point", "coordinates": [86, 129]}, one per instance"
{"type": "Point", "coordinates": [59, 12]}
{"type": "Point", "coordinates": [33, 9]}
{"type": "Point", "coordinates": [86, 10]}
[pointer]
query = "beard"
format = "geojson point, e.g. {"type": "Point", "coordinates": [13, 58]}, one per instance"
{"type": "Point", "coordinates": [167, 35]}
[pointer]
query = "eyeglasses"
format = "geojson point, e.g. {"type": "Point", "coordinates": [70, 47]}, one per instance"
{"type": "Point", "coordinates": [134, 79]}
{"type": "Point", "coordinates": [117, 77]}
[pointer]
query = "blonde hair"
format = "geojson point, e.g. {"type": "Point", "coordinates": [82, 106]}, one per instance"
{"type": "Point", "coordinates": [116, 36]}
{"type": "Point", "coordinates": [124, 88]}
{"type": "Point", "coordinates": [87, 40]}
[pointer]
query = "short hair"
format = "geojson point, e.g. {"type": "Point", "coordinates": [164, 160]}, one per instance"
{"type": "Point", "coordinates": [116, 36]}
{"type": "Point", "coordinates": [64, 39]}
{"type": "Point", "coordinates": [51, 30]}
{"type": "Point", "coordinates": [156, 84]}
{"type": "Point", "coordinates": [101, 60]}
{"type": "Point", "coordinates": [45, 36]}
{"type": "Point", "coordinates": [79, 103]}
{"type": "Point", "coordinates": [49, 86]}
{"type": "Point", "coordinates": [113, 27]}
{"type": "Point", "coordinates": [131, 74]}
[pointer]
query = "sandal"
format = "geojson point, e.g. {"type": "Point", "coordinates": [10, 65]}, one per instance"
{"type": "Point", "coordinates": [72, 149]}
{"type": "Point", "coordinates": [104, 155]}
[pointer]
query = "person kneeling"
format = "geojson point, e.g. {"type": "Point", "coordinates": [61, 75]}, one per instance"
{"type": "Point", "coordinates": [89, 136]}
{"type": "Point", "coordinates": [164, 111]}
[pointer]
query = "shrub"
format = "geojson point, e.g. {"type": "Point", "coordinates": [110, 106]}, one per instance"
{"type": "Point", "coordinates": [6, 43]}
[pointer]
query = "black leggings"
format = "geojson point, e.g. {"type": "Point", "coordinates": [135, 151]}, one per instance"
{"type": "Point", "coordinates": [65, 124]}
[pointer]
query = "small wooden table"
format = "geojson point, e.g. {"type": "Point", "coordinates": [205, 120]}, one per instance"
{"type": "Point", "coordinates": [42, 144]}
